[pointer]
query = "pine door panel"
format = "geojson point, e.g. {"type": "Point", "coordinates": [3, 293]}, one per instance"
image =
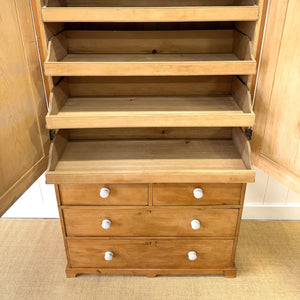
{"type": "Point", "coordinates": [276, 141]}
{"type": "Point", "coordinates": [24, 139]}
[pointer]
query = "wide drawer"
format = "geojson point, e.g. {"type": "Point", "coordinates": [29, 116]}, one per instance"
{"type": "Point", "coordinates": [155, 156]}
{"type": "Point", "coordinates": [104, 194]}
{"type": "Point", "coordinates": [196, 194]}
{"type": "Point", "coordinates": [149, 11]}
{"type": "Point", "coordinates": [118, 102]}
{"type": "Point", "coordinates": [154, 221]}
{"type": "Point", "coordinates": [145, 253]}
{"type": "Point", "coordinates": [149, 53]}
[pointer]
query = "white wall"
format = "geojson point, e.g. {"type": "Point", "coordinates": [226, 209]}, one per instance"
{"type": "Point", "coordinates": [39, 201]}
{"type": "Point", "coordinates": [265, 199]}
{"type": "Point", "coordinates": [269, 199]}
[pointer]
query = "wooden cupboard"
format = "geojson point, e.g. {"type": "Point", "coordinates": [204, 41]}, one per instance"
{"type": "Point", "coordinates": [148, 100]}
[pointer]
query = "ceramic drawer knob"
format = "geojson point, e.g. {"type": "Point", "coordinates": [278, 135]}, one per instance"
{"type": "Point", "coordinates": [104, 193]}
{"type": "Point", "coordinates": [108, 255]}
{"type": "Point", "coordinates": [192, 255]}
{"type": "Point", "coordinates": [195, 224]}
{"type": "Point", "coordinates": [106, 224]}
{"type": "Point", "coordinates": [198, 193]}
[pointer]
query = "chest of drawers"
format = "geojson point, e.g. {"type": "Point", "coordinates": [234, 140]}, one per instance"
{"type": "Point", "coordinates": [148, 101]}
{"type": "Point", "coordinates": [147, 229]}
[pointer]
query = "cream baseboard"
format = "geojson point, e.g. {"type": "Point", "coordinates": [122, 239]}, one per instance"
{"type": "Point", "coordinates": [271, 212]}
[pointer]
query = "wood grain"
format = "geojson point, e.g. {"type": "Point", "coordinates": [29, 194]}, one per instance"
{"type": "Point", "coordinates": [229, 272]}
{"type": "Point", "coordinates": [182, 194]}
{"type": "Point", "coordinates": [149, 86]}
{"type": "Point", "coordinates": [243, 146]}
{"type": "Point", "coordinates": [43, 33]}
{"type": "Point", "coordinates": [144, 42]}
{"type": "Point", "coordinates": [24, 139]}
{"type": "Point", "coordinates": [149, 161]}
{"type": "Point", "coordinates": [276, 137]}
{"type": "Point", "coordinates": [145, 65]}
{"type": "Point", "coordinates": [149, 133]}
{"type": "Point", "coordinates": [171, 14]}
{"type": "Point", "coordinates": [88, 194]}
{"type": "Point", "coordinates": [155, 11]}
{"type": "Point", "coordinates": [150, 253]}
{"type": "Point", "coordinates": [154, 221]}
{"type": "Point", "coordinates": [156, 3]}
{"type": "Point", "coordinates": [80, 111]}
{"type": "Point", "coordinates": [108, 112]}
{"type": "Point", "coordinates": [132, 53]}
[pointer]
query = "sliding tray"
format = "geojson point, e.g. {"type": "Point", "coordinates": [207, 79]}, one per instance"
{"type": "Point", "coordinates": [153, 53]}
{"type": "Point", "coordinates": [149, 11]}
{"type": "Point", "coordinates": [107, 102]}
{"type": "Point", "coordinates": [85, 156]}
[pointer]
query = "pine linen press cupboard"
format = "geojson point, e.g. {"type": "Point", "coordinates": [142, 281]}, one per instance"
{"type": "Point", "coordinates": [150, 115]}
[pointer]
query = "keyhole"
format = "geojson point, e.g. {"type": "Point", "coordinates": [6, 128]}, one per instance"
{"type": "Point", "coordinates": [154, 51]}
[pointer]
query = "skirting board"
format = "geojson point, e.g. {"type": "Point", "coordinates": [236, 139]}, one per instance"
{"type": "Point", "coordinates": [271, 212]}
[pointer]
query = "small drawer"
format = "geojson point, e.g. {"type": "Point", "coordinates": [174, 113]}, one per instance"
{"type": "Point", "coordinates": [154, 221]}
{"type": "Point", "coordinates": [149, 253]}
{"type": "Point", "coordinates": [196, 194]}
{"type": "Point", "coordinates": [104, 194]}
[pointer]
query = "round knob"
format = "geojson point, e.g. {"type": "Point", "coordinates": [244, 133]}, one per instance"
{"type": "Point", "coordinates": [106, 224]}
{"type": "Point", "coordinates": [198, 193]}
{"type": "Point", "coordinates": [108, 255]}
{"type": "Point", "coordinates": [104, 193]}
{"type": "Point", "coordinates": [192, 255]}
{"type": "Point", "coordinates": [195, 224]}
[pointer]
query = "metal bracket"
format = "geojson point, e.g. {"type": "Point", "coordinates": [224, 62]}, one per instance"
{"type": "Point", "coordinates": [52, 134]}
{"type": "Point", "coordinates": [249, 133]}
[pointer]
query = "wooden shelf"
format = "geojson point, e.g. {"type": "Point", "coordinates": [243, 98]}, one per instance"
{"type": "Point", "coordinates": [153, 53]}
{"type": "Point", "coordinates": [156, 11]}
{"type": "Point", "coordinates": [150, 111]}
{"type": "Point", "coordinates": [169, 160]}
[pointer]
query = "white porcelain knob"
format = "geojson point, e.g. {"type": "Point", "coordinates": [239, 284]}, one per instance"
{"type": "Point", "coordinates": [192, 255]}
{"type": "Point", "coordinates": [198, 193]}
{"type": "Point", "coordinates": [104, 193]}
{"type": "Point", "coordinates": [108, 255]}
{"type": "Point", "coordinates": [106, 224]}
{"type": "Point", "coordinates": [195, 224]}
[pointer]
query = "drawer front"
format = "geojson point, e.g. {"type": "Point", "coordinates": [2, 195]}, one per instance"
{"type": "Point", "coordinates": [155, 221]}
{"type": "Point", "coordinates": [196, 194]}
{"type": "Point", "coordinates": [104, 194]}
{"type": "Point", "coordinates": [147, 253]}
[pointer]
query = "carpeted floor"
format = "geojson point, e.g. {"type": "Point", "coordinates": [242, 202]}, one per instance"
{"type": "Point", "coordinates": [32, 266]}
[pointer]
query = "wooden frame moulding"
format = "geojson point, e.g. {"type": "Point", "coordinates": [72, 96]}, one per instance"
{"type": "Point", "coordinates": [153, 53]}
{"type": "Point", "coordinates": [229, 272]}
{"type": "Point", "coordinates": [145, 111]}
{"type": "Point", "coordinates": [141, 11]}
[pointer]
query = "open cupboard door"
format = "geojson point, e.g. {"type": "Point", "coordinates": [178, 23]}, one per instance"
{"type": "Point", "coordinates": [24, 138]}
{"type": "Point", "coordinates": [276, 140]}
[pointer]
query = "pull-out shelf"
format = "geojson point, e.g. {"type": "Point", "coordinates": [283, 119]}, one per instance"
{"type": "Point", "coordinates": [98, 110]}
{"type": "Point", "coordinates": [153, 53]}
{"type": "Point", "coordinates": [149, 11]}
{"type": "Point", "coordinates": [225, 159]}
